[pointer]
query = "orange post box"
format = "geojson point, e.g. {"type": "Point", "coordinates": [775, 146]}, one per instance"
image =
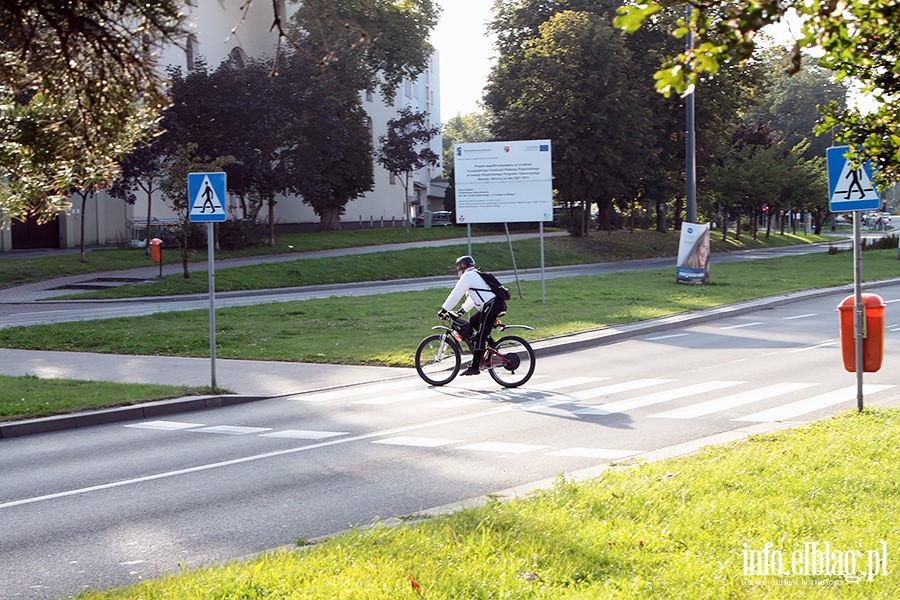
{"type": "Point", "coordinates": [156, 250]}
{"type": "Point", "coordinates": [873, 336]}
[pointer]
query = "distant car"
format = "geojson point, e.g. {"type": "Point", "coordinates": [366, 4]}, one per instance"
{"type": "Point", "coordinates": [440, 218]}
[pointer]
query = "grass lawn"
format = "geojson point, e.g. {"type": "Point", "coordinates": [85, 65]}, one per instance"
{"type": "Point", "coordinates": [29, 397]}
{"type": "Point", "coordinates": [737, 521]}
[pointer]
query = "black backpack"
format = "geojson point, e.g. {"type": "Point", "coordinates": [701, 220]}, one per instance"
{"type": "Point", "coordinates": [496, 287]}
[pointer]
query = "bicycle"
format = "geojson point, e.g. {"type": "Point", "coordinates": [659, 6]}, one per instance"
{"type": "Point", "coordinates": [509, 360]}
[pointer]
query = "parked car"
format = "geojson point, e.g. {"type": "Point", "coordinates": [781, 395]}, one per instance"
{"type": "Point", "coordinates": [439, 218]}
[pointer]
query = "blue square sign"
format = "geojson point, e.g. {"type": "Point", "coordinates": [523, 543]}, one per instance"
{"type": "Point", "coordinates": [848, 188]}
{"type": "Point", "coordinates": [206, 197]}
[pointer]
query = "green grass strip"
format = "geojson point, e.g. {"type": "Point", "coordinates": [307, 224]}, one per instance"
{"type": "Point", "coordinates": [29, 397]}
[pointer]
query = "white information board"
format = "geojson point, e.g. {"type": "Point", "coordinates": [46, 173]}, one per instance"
{"type": "Point", "coordinates": [503, 182]}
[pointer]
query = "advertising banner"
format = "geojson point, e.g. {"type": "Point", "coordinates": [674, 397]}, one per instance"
{"type": "Point", "coordinates": [503, 182]}
{"type": "Point", "coordinates": [693, 254]}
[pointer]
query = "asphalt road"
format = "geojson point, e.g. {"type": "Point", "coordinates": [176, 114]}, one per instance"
{"type": "Point", "coordinates": [113, 504]}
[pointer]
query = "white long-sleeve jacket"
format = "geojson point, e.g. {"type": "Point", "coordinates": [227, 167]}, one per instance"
{"type": "Point", "coordinates": [473, 287]}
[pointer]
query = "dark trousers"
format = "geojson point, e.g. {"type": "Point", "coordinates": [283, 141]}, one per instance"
{"type": "Point", "coordinates": [483, 322]}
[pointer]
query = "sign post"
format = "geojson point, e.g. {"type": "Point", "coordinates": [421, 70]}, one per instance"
{"type": "Point", "coordinates": [851, 190]}
{"type": "Point", "coordinates": [206, 204]}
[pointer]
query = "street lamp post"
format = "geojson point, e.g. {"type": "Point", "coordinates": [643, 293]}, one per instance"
{"type": "Point", "coordinates": [690, 165]}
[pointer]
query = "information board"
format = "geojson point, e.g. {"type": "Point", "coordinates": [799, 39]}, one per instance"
{"type": "Point", "coordinates": [503, 182]}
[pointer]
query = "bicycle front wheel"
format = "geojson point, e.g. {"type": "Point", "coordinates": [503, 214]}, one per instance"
{"type": "Point", "coordinates": [517, 363]}
{"type": "Point", "coordinates": [438, 359]}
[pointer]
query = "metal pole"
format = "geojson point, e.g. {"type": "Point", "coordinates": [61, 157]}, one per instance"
{"type": "Point", "coordinates": [859, 323]}
{"type": "Point", "coordinates": [210, 252]}
{"type": "Point", "coordinates": [690, 166]}
{"type": "Point", "coordinates": [543, 283]}
{"type": "Point", "coordinates": [512, 256]}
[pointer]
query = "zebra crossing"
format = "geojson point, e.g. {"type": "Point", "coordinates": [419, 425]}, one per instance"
{"type": "Point", "coordinates": [583, 397]}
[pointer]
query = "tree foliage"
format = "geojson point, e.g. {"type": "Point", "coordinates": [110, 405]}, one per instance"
{"type": "Point", "coordinates": [857, 39]}
{"type": "Point", "coordinates": [566, 78]}
{"type": "Point", "coordinates": [78, 88]}
{"type": "Point", "coordinates": [373, 44]}
{"type": "Point", "coordinates": [404, 148]}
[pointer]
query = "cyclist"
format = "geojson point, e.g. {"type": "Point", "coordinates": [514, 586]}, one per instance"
{"type": "Point", "coordinates": [479, 296]}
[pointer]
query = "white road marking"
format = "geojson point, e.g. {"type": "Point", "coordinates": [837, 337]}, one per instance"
{"type": "Point", "coordinates": [742, 325]}
{"type": "Point", "coordinates": [824, 344]}
{"type": "Point", "coordinates": [801, 407]}
{"type": "Point", "coordinates": [665, 337]}
{"type": "Point", "coordinates": [733, 401]}
{"type": "Point", "coordinates": [657, 398]}
{"type": "Point", "coordinates": [422, 442]}
{"type": "Point", "coordinates": [304, 434]}
{"type": "Point", "coordinates": [504, 447]}
{"type": "Point", "coordinates": [233, 430]}
{"type": "Point", "coordinates": [164, 425]}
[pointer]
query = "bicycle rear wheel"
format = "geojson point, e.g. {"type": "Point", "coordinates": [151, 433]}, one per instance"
{"type": "Point", "coordinates": [517, 364]}
{"type": "Point", "coordinates": [438, 359]}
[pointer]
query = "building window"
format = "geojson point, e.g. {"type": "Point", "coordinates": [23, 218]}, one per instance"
{"type": "Point", "coordinates": [370, 97]}
{"type": "Point", "coordinates": [192, 50]}
{"type": "Point", "coordinates": [393, 179]}
{"type": "Point", "coordinates": [407, 88]}
{"type": "Point", "coordinates": [371, 127]}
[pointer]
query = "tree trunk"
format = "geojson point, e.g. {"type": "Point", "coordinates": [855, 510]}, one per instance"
{"type": "Point", "coordinates": [149, 215]}
{"type": "Point", "coordinates": [330, 219]}
{"type": "Point", "coordinates": [661, 226]}
{"type": "Point", "coordinates": [271, 222]}
{"type": "Point", "coordinates": [83, 207]}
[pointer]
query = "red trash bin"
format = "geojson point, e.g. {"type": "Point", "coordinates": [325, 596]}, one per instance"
{"type": "Point", "coordinates": [873, 341]}
{"type": "Point", "coordinates": [156, 250]}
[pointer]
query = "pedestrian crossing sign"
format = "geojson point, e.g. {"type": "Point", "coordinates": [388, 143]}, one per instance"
{"type": "Point", "coordinates": [849, 188]}
{"type": "Point", "coordinates": [206, 197]}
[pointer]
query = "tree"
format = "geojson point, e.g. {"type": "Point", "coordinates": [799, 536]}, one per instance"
{"type": "Point", "coordinates": [857, 39]}
{"type": "Point", "coordinates": [791, 106]}
{"type": "Point", "coordinates": [371, 43]}
{"type": "Point", "coordinates": [140, 170]}
{"type": "Point", "coordinates": [79, 86]}
{"type": "Point", "coordinates": [182, 161]}
{"type": "Point", "coordinates": [461, 129]}
{"type": "Point", "coordinates": [401, 150]}
{"type": "Point", "coordinates": [567, 79]}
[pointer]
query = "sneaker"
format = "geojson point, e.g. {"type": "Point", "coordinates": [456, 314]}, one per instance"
{"type": "Point", "coordinates": [471, 371]}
